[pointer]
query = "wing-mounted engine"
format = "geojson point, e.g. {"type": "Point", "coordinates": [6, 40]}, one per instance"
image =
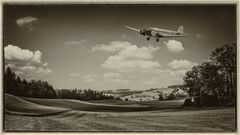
{"type": "Point", "coordinates": [142, 32]}
{"type": "Point", "coordinates": [158, 35]}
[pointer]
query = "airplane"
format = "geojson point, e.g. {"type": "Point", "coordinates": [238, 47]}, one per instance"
{"type": "Point", "coordinates": [159, 33]}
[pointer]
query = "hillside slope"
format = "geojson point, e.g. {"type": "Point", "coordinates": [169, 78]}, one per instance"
{"type": "Point", "coordinates": [16, 105]}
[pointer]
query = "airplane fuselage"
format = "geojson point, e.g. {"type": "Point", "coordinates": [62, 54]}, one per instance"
{"type": "Point", "coordinates": [156, 32]}
{"type": "Point", "coordinates": [159, 33]}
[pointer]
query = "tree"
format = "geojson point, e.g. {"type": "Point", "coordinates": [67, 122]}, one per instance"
{"type": "Point", "coordinates": [213, 83]}
{"type": "Point", "coordinates": [42, 89]}
{"type": "Point", "coordinates": [160, 96]}
{"type": "Point", "coordinates": [225, 58]}
{"type": "Point", "coordinates": [15, 86]}
{"type": "Point", "coordinates": [194, 84]}
{"type": "Point", "coordinates": [9, 81]}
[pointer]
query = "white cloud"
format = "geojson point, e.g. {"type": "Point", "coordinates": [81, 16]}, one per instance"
{"type": "Point", "coordinates": [24, 62]}
{"type": "Point", "coordinates": [75, 75]}
{"type": "Point", "coordinates": [37, 55]}
{"type": "Point", "coordinates": [27, 68]}
{"type": "Point", "coordinates": [165, 77]}
{"type": "Point", "coordinates": [115, 77]}
{"type": "Point", "coordinates": [122, 65]}
{"type": "Point", "coordinates": [27, 71]}
{"type": "Point", "coordinates": [133, 52]}
{"type": "Point", "coordinates": [130, 57]}
{"type": "Point", "coordinates": [42, 71]}
{"type": "Point", "coordinates": [27, 22]}
{"type": "Point", "coordinates": [181, 64]}
{"type": "Point", "coordinates": [174, 46]}
{"type": "Point", "coordinates": [112, 47]}
{"type": "Point", "coordinates": [15, 53]}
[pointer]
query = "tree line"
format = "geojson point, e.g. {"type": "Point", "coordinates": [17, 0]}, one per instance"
{"type": "Point", "coordinates": [85, 95]}
{"type": "Point", "coordinates": [214, 82]}
{"type": "Point", "coordinates": [14, 85]}
{"type": "Point", "coordinates": [20, 87]}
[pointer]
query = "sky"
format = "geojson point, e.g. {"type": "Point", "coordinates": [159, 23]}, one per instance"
{"type": "Point", "coordinates": [87, 46]}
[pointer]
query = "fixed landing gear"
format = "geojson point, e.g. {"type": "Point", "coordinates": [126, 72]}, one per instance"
{"type": "Point", "coordinates": [148, 38]}
{"type": "Point", "coordinates": [157, 39]}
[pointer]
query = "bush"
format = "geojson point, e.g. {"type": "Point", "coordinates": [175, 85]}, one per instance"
{"type": "Point", "coordinates": [188, 102]}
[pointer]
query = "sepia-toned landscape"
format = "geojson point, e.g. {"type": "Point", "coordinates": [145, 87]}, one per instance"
{"type": "Point", "coordinates": [119, 68]}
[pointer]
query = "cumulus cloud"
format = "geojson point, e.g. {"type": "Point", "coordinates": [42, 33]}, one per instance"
{"type": "Point", "coordinates": [165, 77]}
{"type": "Point", "coordinates": [181, 64]}
{"type": "Point", "coordinates": [114, 77]}
{"type": "Point", "coordinates": [15, 53]}
{"type": "Point", "coordinates": [130, 57]}
{"type": "Point", "coordinates": [173, 75]}
{"type": "Point", "coordinates": [27, 22]}
{"type": "Point", "coordinates": [42, 71]}
{"type": "Point", "coordinates": [24, 62]}
{"type": "Point", "coordinates": [134, 52]}
{"type": "Point", "coordinates": [112, 46]}
{"type": "Point", "coordinates": [27, 71]}
{"type": "Point", "coordinates": [174, 46]}
{"type": "Point", "coordinates": [122, 65]}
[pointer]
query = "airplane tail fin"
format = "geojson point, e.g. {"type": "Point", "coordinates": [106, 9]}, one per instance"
{"type": "Point", "coordinates": [180, 29]}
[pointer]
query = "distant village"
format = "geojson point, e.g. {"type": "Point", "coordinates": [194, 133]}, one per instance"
{"type": "Point", "coordinates": [150, 94]}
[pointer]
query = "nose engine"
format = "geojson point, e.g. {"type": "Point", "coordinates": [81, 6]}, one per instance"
{"type": "Point", "coordinates": [145, 32]}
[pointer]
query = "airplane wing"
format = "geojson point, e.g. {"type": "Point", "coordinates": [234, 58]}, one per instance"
{"type": "Point", "coordinates": [131, 28]}
{"type": "Point", "coordinates": [166, 36]}
{"type": "Point", "coordinates": [171, 36]}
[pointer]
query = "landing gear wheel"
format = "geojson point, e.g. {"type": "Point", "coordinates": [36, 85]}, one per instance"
{"type": "Point", "coordinates": [157, 39]}
{"type": "Point", "coordinates": [148, 38]}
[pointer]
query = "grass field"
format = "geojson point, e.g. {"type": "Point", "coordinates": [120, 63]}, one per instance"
{"type": "Point", "coordinates": [111, 120]}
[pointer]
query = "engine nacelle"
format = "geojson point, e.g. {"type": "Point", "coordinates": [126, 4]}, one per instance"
{"type": "Point", "coordinates": [158, 35]}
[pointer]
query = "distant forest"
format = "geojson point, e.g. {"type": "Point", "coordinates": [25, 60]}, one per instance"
{"type": "Point", "coordinates": [42, 89]}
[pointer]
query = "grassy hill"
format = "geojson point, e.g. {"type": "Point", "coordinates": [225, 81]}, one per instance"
{"type": "Point", "coordinates": [44, 106]}
{"type": "Point", "coordinates": [16, 105]}
{"type": "Point", "coordinates": [88, 106]}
